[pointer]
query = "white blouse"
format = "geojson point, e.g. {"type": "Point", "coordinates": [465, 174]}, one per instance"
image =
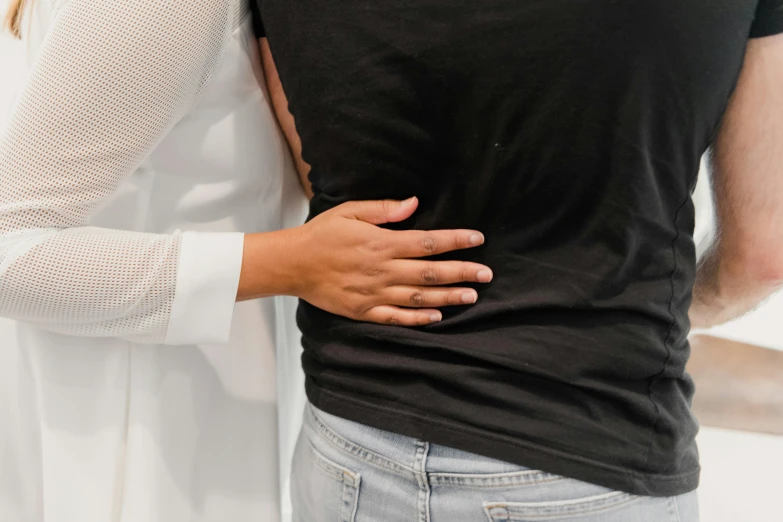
{"type": "Point", "coordinates": [139, 150]}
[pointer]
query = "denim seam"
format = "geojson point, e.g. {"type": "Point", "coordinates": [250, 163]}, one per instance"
{"type": "Point", "coordinates": [555, 511]}
{"type": "Point", "coordinates": [350, 481]}
{"type": "Point", "coordinates": [674, 509]}
{"type": "Point", "coordinates": [497, 513]}
{"type": "Point", "coordinates": [351, 499]}
{"type": "Point", "coordinates": [420, 467]}
{"type": "Point", "coordinates": [359, 451]}
{"type": "Point", "coordinates": [519, 478]}
{"type": "Point", "coordinates": [335, 471]}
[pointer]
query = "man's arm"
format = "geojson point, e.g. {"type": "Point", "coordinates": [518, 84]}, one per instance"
{"type": "Point", "coordinates": [284, 117]}
{"type": "Point", "coordinates": [744, 264]}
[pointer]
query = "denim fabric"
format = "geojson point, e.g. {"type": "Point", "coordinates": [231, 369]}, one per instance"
{"type": "Point", "coordinates": [348, 472]}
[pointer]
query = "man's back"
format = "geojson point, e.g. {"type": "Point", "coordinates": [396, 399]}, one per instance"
{"type": "Point", "coordinates": [570, 133]}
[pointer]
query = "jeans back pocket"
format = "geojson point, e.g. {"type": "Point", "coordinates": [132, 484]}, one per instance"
{"type": "Point", "coordinates": [609, 507]}
{"type": "Point", "coordinates": [330, 492]}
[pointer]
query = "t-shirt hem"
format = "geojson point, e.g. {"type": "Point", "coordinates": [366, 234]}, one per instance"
{"type": "Point", "coordinates": [442, 431]}
{"type": "Point", "coordinates": [770, 25]}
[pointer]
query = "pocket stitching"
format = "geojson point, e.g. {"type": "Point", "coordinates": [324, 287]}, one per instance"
{"type": "Point", "coordinates": [490, 516]}
{"type": "Point", "coordinates": [333, 469]}
{"type": "Point", "coordinates": [356, 450]}
{"type": "Point", "coordinates": [351, 500]}
{"type": "Point", "coordinates": [557, 509]}
{"type": "Point", "coordinates": [494, 480]}
{"type": "Point", "coordinates": [350, 481]}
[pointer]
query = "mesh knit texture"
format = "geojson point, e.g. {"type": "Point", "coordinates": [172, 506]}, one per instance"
{"type": "Point", "coordinates": [110, 80]}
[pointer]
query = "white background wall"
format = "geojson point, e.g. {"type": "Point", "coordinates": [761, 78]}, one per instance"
{"type": "Point", "coordinates": [742, 479]}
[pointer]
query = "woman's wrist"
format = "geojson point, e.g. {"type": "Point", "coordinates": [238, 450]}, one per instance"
{"type": "Point", "coordinates": [271, 264]}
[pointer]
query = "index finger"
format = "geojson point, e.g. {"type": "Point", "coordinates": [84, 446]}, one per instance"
{"type": "Point", "coordinates": [407, 244]}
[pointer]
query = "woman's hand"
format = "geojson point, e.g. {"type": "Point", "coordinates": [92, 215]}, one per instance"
{"type": "Point", "coordinates": [343, 263]}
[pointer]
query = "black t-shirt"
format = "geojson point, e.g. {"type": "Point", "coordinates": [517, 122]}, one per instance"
{"type": "Point", "coordinates": [570, 133]}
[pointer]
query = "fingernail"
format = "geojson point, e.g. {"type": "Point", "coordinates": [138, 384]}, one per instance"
{"type": "Point", "coordinates": [476, 239]}
{"type": "Point", "coordinates": [469, 297]}
{"type": "Point", "coordinates": [484, 276]}
{"type": "Point", "coordinates": [435, 318]}
{"type": "Point", "coordinates": [408, 202]}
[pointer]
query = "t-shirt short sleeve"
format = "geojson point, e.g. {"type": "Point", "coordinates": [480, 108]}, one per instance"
{"type": "Point", "coordinates": [769, 19]}
{"type": "Point", "coordinates": [258, 24]}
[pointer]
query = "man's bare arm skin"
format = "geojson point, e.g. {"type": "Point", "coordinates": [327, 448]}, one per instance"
{"type": "Point", "coordinates": [284, 117]}
{"type": "Point", "coordinates": [744, 264]}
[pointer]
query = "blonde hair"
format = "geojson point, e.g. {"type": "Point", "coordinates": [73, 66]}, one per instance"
{"type": "Point", "coordinates": [14, 16]}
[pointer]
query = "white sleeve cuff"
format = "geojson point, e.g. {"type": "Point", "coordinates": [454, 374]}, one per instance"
{"type": "Point", "coordinates": [207, 282]}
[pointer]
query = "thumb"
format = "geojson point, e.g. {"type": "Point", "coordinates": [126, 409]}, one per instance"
{"type": "Point", "coordinates": [381, 211]}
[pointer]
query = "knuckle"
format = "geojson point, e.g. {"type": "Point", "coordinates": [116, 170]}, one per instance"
{"type": "Point", "coordinates": [428, 244]}
{"type": "Point", "coordinates": [361, 290]}
{"type": "Point", "coordinates": [348, 209]}
{"type": "Point", "coordinates": [417, 298]}
{"type": "Point", "coordinates": [377, 245]}
{"type": "Point", "coordinates": [372, 271]}
{"type": "Point", "coordinates": [357, 310]}
{"type": "Point", "coordinates": [393, 320]}
{"type": "Point", "coordinates": [365, 291]}
{"type": "Point", "coordinates": [429, 275]}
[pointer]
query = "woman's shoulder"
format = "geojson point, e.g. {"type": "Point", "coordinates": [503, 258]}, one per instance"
{"type": "Point", "coordinates": [40, 15]}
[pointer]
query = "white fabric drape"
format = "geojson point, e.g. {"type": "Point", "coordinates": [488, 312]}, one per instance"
{"type": "Point", "coordinates": [139, 151]}
{"type": "Point", "coordinates": [124, 73]}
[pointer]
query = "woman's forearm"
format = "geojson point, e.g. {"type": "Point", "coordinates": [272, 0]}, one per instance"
{"type": "Point", "coordinates": [81, 125]}
{"type": "Point", "coordinates": [268, 265]}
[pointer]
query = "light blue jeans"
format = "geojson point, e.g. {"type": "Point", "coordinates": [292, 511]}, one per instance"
{"type": "Point", "coordinates": [348, 472]}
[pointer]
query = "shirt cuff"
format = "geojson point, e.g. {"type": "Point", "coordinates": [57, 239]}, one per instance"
{"type": "Point", "coordinates": [207, 283]}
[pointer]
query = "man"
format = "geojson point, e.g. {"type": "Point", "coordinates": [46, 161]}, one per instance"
{"type": "Point", "coordinates": [570, 134]}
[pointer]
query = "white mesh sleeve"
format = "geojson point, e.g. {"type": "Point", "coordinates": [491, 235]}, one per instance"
{"type": "Point", "coordinates": [109, 81]}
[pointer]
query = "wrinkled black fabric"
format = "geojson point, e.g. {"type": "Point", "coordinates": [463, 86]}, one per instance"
{"type": "Point", "coordinates": [569, 132]}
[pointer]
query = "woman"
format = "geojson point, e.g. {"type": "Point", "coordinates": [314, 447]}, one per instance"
{"type": "Point", "coordinates": [571, 134]}
{"type": "Point", "coordinates": [140, 149]}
